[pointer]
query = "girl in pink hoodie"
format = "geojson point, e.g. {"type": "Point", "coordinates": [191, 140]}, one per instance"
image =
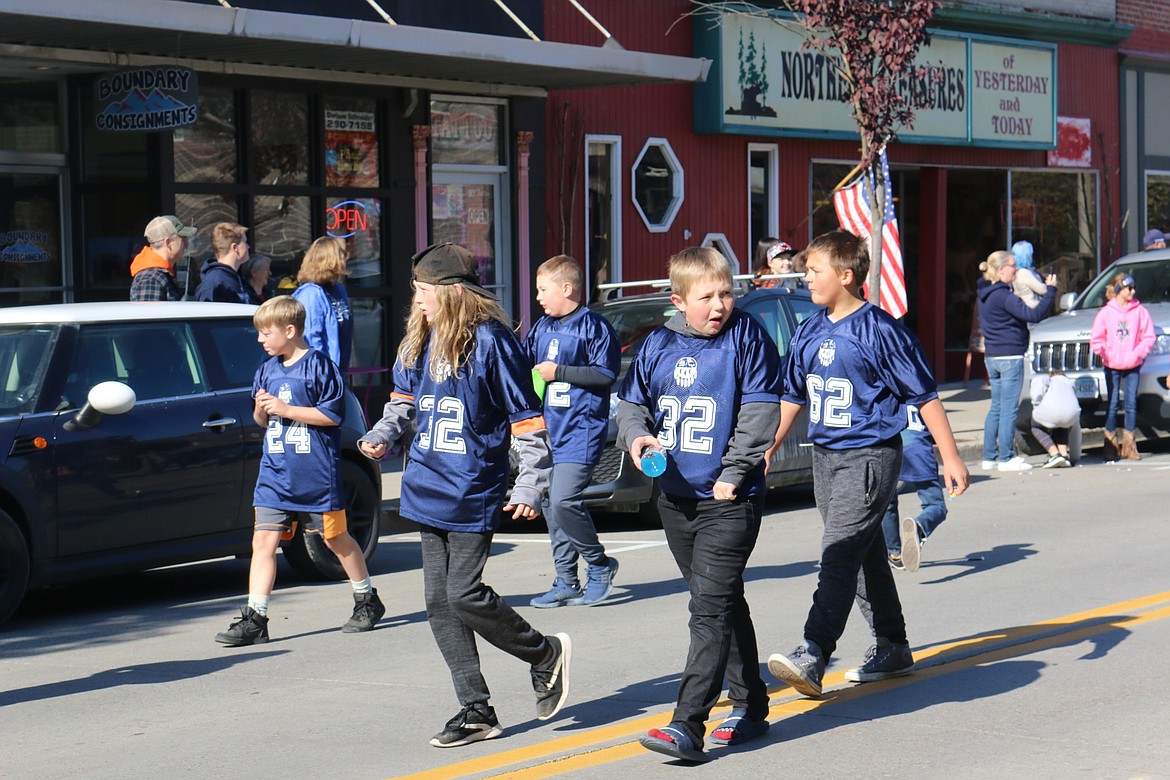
{"type": "Point", "coordinates": [1123, 334]}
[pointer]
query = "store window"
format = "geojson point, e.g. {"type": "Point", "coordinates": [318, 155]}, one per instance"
{"type": "Point", "coordinates": [30, 119]}
{"type": "Point", "coordinates": [1157, 201]}
{"type": "Point", "coordinates": [469, 185]}
{"type": "Point", "coordinates": [763, 194]}
{"type": "Point", "coordinates": [351, 143]}
{"type": "Point", "coordinates": [359, 223]}
{"type": "Point", "coordinates": [282, 230]}
{"type": "Point", "coordinates": [205, 152]}
{"type": "Point", "coordinates": [603, 214]}
{"type": "Point", "coordinates": [658, 185]}
{"type": "Point", "coordinates": [30, 238]}
{"type": "Point", "coordinates": [280, 138]}
{"type": "Point", "coordinates": [466, 133]}
{"type": "Point", "coordinates": [1057, 212]}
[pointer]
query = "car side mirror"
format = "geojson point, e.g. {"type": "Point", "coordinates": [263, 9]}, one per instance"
{"type": "Point", "coordinates": [103, 398]}
{"type": "Point", "coordinates": [1066, 301]}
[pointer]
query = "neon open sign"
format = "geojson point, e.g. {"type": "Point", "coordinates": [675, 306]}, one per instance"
{"type": "Point", "coordinates": [346, 219]}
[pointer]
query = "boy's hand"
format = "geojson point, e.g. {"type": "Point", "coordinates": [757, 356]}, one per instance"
{"type": "Point", "coordinates": [375, 451]}
{"type": "Point", "coordinates": [956, 478]}
{"type": "Point", "coordinates": [641, 443]}
{"type": "Point", "coordinates": [521, 511]}
{"type": "Point", "coordinates": [723, 491]}
{"type": "Point", "coordinates": [271, 404]}
{"type": "Point", "coordinates": [547, 370]}
{"type": "Point", "coordinates": [768, 454]}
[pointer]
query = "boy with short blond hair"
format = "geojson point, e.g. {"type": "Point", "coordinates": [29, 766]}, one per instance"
{"type": "Point", "coordinates": [705, 389]}
{"type": "Point", "coordinates": [577, 353]}
{"type": "Point", "coordinates": [855, 366]}
{"type": "Point", "coordinates": [300, 399]}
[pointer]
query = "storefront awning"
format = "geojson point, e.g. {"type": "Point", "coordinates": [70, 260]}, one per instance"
{"type": "Point", "coordinates": [211, 38]}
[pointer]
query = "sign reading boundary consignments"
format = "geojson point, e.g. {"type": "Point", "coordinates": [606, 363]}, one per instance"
{"type": "Point", "coordinates": [146, 100]}
{"type": "Point", "coordinates": [966, 89]}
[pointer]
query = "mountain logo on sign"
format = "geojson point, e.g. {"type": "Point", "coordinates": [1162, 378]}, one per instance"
{"type": "Point", "coordinates": [138, 103]}
{"type": "Point", "coordinates": [23, 252]}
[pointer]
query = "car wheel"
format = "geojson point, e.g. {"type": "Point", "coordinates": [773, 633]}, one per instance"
{"type": "Point", "coordinates": [14, 566]}
{"type": "Point", "coordinates": [308, 554]}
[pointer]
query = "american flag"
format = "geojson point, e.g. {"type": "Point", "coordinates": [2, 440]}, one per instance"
{"type": "Point", "coordinates": [853, 210]}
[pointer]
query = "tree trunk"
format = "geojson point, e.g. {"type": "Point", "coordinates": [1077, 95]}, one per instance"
{"type": "Point", "coordinates": [878, 196]}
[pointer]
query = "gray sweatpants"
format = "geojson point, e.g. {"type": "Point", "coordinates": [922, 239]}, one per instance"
{"type": "Point", "coordinates": [460, 605]}
{"type": "Point", "coordinates": [852, 489]}
{"type": "Point", "coordinates": [570, 528]}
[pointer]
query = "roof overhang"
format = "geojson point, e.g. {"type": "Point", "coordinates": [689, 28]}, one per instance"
{"type": "Point", "coordinates": [212, 38]}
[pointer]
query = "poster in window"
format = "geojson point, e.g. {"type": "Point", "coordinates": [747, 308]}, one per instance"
{"type": "Point", "coordinates": [351, 149]}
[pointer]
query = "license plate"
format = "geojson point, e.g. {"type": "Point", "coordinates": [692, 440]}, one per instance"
{"type": "Point", "coordinates": [1086, 387]}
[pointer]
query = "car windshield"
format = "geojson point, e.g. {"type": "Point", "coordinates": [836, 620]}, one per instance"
{"type": "Point", "coordinates": [1151, 279]}
{"type": "Point", "coordinates": [633, 321]}
{"type": "Point", "coordinates": [24, 358]}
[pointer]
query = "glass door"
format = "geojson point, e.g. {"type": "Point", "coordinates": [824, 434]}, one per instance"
{"type": "Point", "coordinates": [32, 269]}
{"type": "Point", "coordinates": [466, 209]}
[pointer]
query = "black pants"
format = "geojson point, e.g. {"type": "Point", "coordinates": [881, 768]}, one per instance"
{"type": "Point", "coordinates": [711, 542]}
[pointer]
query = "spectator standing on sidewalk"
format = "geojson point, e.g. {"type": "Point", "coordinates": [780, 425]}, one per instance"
{"type": "Point", "coordinates": [153, 268]}
{"type": "Point", "coordinates": [1122, 335]}
{"type": "Point", "coordinates": [1004, 320]}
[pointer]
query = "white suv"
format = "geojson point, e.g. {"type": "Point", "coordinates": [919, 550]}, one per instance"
{"type": "Point", "coordinates": [1062, 342]}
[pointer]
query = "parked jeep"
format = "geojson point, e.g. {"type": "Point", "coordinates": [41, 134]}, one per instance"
{"type": "Point", "coordinates": [1061, 342]}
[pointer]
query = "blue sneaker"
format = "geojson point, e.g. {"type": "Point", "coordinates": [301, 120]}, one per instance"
{"type": "Point", "coordinates": [560, 594]}
{"type": "Point", "coordinates": [599, 584]}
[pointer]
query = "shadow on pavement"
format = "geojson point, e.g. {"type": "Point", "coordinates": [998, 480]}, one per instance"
{"type": "Point", "coordinates": [145, 674]}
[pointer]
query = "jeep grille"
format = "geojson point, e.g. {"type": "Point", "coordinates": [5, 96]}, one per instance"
{"type": "Point", "coordinates": [1064, 356]}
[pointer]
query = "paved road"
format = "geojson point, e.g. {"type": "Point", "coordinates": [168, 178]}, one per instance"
{"type": "Point", "coordinates": [1038, 619]}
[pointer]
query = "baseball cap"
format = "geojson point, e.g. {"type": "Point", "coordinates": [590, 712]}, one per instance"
{"type": "Point", "coordinates": [448, 263]}
{"type": "Point", "coordinates": [1125, 282]}
{"type": "Point", "coordinates": [777, 249]}
{"type": "Point", "coordinates": [1152, 236]}
{"type": "Point", "coordinates": [166, 226]}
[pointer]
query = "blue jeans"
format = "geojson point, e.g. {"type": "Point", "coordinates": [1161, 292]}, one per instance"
{"type": "Point", "coordinates": [570, 527]}
{"type": "Point", "coordinates": [1007, 380]}
{"type": "Point", "coordinates": [934, 511]}
{"type": "Point", "coordinates": [1126, 380]}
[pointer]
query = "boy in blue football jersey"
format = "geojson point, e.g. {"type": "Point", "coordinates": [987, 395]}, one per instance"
{"type": "Point", "coordinates": [463, 373]}
{"type": "Point", "coordinates": [300, 398]}
{"type": "Point", "coordinates": [704, 389]}
{"type": "Point", "coordinates": [855, 365]}
{"type": "Point", "coordinates": [919, 473]}
{"type": "Point", "coordinates": [577, 353]}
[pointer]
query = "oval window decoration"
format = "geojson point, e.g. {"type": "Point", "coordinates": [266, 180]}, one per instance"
{"type": "Point", "coordinates": [657, 183]}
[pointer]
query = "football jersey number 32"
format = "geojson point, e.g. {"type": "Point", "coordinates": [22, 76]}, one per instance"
{"type": "Point", "coordinates": [444, 429]}
{"type": "Point", "coordinates": [699, 411]}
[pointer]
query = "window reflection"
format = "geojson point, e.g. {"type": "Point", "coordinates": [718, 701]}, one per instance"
{"type": "Point", "coordinates": [282, 232]}
{"type": "Point", "coordinates": [206, 150]}
{"type": "Point", "coordinates": [280, 138]}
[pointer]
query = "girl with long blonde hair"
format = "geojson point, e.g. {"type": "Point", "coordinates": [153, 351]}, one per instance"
{"type": "Point", "coordinates": [464, 376]}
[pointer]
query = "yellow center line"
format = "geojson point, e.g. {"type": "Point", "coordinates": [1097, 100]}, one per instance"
{"type": "Point", "coordinates": [942, 658]}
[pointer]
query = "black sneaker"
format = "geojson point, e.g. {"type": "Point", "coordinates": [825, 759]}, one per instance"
{"type": "Point", "coordinates": [884, 660]}
{"type": "Point", "coordinates": [473, 723]}
{"type": "Point", "coordinates": [551, 682]}
{"type": "Point", "coordinates": [803, 669]}
{"type": "Point", "coordinates": [250, 629]}
{"type": "Point", "coordinates": [896, 562]}
{"type": "Point", "coordinates": [368, 609]}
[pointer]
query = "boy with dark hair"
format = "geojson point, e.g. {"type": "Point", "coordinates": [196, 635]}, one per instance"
{"type": "Point", "coordinates": [855, 365]}
{"type": "Point", "coordinates": [577, 353]}
{"type": "Point", "coordinates": [300, 398]}
{"type": "Point", "coordinates": [704, 389]}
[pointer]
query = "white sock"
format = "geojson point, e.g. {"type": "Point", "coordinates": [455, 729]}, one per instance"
{"type": "Point", "coordinates": [259, 603]}
{"type": "Point", "coordinates": [361, 586]}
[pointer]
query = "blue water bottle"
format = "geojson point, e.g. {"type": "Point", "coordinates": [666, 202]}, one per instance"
{"type": "Point", "coordinates": [653, 462]}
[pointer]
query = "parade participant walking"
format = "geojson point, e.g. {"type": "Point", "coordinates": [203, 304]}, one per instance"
{"type": "Point", "coordinates": [854, 366]}
{"type": "Point", "coordinates": [1122, 335]}
{"type": "Point", "coordinates": [577, 354]}
{"type": "Point", "coordinates": [461, 370]}
{"type": "Point", "coordinates": [300, 397]}
{"type": "Point", "coordinates": [919, 473]}
{"type": "Point", "coordinates": [703, 389]}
